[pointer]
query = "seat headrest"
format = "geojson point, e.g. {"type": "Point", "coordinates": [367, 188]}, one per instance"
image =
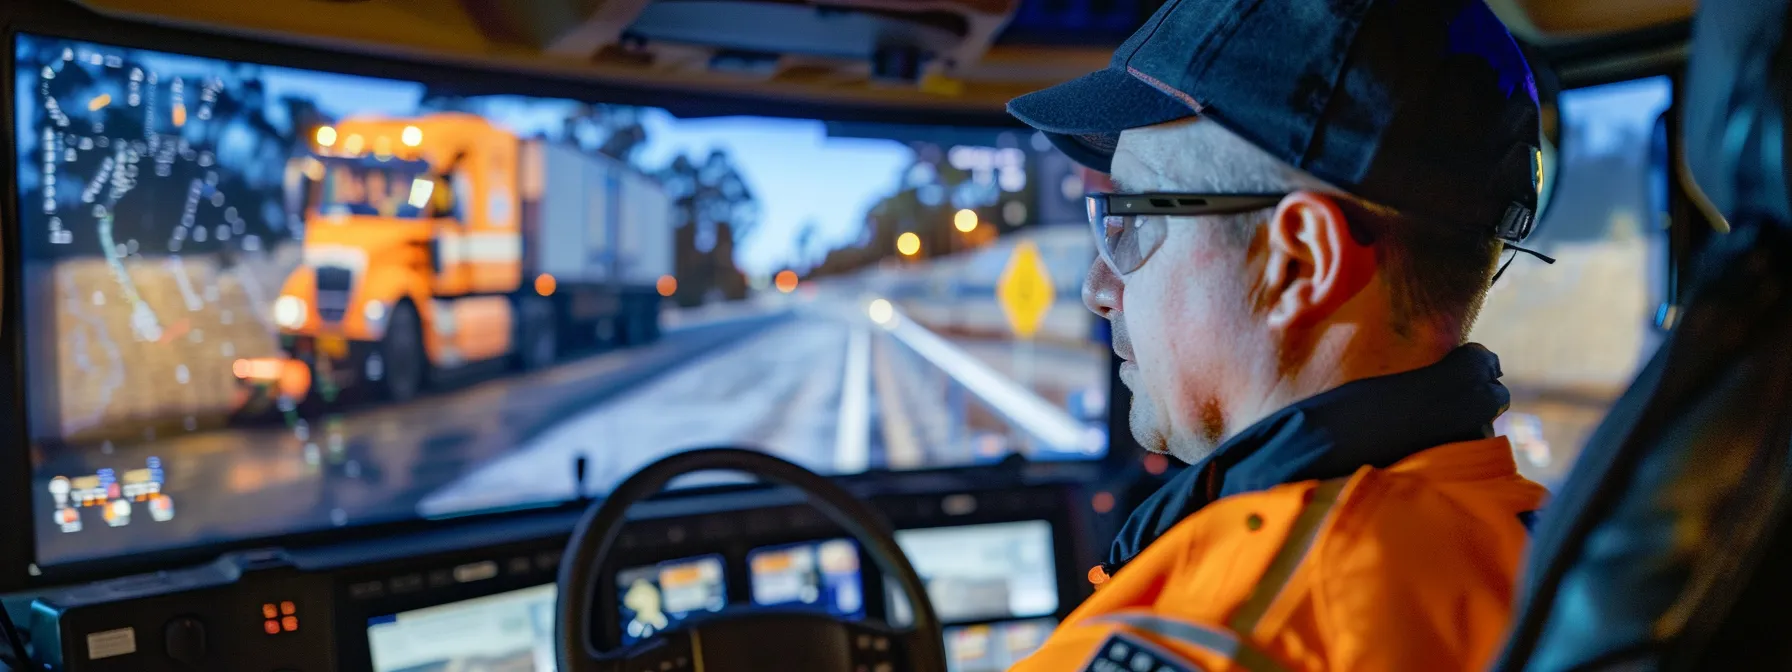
{"type": "Point", "coordinates": [1736, 105]}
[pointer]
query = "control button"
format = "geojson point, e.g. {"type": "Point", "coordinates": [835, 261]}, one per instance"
{"type": "Point", "coordinates": [185, 639]}
{"type": "Point", "coordinates": [270, 627]}
{"type": "Point", "coordinates": [881, 644]}
{"type": "Point", "coordinates": [366, 590]}
{"type": "Point", "coordinates": [407, 583]}
{"type": "Point", "coordinates": [864, 641]}
{"type": "Point", "coordinates": [682, 662]}
{"type": "Point", "coordinates": [287, 608]}
{"type": "Point", "coordinates": [882, 667]}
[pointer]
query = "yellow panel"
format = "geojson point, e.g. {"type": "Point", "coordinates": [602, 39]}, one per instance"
{"type": "Point", "coordinates": [1565, 20]}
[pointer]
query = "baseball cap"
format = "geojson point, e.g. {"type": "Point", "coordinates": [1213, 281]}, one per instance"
{"type": "Point", "coordinates": [1424, 106]}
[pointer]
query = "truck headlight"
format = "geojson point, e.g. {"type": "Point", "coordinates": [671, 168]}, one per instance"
{"type": "Point", "coordinates": [289, 311]}
{"type": "Point", "coordinates": [374, 311]}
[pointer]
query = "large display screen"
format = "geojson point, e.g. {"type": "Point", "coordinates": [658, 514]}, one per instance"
{"type": "Point", "coordinates": [262, 300]}
{"type": "Point", "coordinates": [981, 572]}
{"type": "Point", "coordinates": [507, 631]}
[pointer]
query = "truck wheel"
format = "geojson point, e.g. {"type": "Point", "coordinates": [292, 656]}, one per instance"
{"type": "Point", "coordinates": [406, 364]}
{"type": "Point", "coordinates": [538, 343]}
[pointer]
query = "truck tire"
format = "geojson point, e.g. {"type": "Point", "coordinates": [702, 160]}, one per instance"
{"type": "Point", "coordinates": [406, 363]}
{"type": "Point", "coordinates": [537, 338]}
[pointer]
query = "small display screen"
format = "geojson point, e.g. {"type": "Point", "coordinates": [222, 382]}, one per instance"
{"type": "Point", "coordinates": [993, 647]}
{"type": "Point", "coordinates": [819, 575]}
{"type": "Point", "coordinates": [977, 572]}
{"type": "Point", "coordinates": [657, 597]}
{"type": "Point", "coordinates": [511, 631]}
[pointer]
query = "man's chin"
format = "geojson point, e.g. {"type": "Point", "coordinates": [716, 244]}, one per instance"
{"type": "Point", "coordinates": [1143, 424]}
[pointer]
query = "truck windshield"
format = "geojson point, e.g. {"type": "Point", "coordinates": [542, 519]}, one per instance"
{"type": "Point", "coordinates": [398, 190]}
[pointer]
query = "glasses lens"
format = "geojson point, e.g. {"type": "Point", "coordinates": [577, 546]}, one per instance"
{"type": "Point", "coordinates": [1125, 241]}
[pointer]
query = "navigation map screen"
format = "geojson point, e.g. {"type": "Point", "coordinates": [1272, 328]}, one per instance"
{"type": "Point", "coordinates": [981, 572]}
{"type": "Point", "coordinates": [262, 300]}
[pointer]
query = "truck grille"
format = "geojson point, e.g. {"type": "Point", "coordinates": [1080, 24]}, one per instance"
{"type": "Point", "coordinates": [332, 292]}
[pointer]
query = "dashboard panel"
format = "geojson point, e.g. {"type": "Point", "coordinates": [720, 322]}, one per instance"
{"type": "Point", "coordinates": [992, 562]}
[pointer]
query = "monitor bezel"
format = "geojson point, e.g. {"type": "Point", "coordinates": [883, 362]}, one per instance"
{"type": "Point", "coordinates": [19, 566]}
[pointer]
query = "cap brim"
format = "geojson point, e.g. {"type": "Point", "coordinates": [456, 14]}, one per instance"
{"type": "Point", "coordinates": [1083, 117]}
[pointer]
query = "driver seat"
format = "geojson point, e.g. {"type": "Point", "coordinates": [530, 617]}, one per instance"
{"type": "Point", "coordinates": [1669, 546]}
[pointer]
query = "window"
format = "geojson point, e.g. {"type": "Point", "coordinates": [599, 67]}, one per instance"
{"type": "Point", "coordinates": [1572, 335]}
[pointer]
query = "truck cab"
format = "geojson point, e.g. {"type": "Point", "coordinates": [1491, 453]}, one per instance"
{"type": "Point", "coordinates": [653, 335]}
{"type": "Point", "coordinates": [442, 241]}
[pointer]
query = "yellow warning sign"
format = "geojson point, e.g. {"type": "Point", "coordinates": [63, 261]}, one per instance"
{"type": "Point", "coordinates": [1025, 290]}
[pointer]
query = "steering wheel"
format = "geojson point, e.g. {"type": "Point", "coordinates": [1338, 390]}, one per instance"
{"type": "Point", "coordinates": [741, 639]}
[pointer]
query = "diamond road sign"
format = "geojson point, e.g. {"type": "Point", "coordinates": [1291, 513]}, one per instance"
{"type": "Point", "coordinates": [1025, 290]}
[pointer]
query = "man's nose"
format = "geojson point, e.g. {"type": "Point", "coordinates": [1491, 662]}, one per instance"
{"type": "Point", "coordinates": [1101, 289]}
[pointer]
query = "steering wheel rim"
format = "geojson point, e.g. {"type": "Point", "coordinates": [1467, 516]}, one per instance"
{"type": "Point", "coordinates": [581, 590]}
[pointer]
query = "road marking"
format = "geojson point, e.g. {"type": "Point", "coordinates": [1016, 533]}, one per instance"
{"type": "Point", "coordinates": [902, 450]}
{"type": "Point", "coordinates": [1021, 406]}
{"type": "Point", "coordinates": [852, 445]}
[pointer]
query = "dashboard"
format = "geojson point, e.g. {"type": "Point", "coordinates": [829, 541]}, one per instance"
{"type": "Point", "coordinates": [993, 562]}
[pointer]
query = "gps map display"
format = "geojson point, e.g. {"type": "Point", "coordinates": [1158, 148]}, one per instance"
{"type": "Point", "coordinates": [262, 300]}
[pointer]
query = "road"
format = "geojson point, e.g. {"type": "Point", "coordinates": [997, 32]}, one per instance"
{"type": "Point", "coordinates": [810, 377]}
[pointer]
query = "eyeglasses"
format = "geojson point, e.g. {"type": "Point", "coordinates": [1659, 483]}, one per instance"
{"type": "Point", "coordinates": [1117, 220]}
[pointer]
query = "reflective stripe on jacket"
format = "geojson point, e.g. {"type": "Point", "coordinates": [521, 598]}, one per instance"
{"type": "Point", "coordinates": [1410, 567]}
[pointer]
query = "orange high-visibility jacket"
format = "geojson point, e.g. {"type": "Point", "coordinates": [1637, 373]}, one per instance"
{"type": "Point", "coordinates": [1410, 567]}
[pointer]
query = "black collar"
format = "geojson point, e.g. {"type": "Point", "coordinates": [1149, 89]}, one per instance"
{"type": "Point", "coordinates": [1371, 422]}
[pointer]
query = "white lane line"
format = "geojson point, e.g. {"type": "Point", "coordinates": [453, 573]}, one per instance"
{"type": "Point", "coordinates": [902, 443]}
{"type": "Point", "coordinates": [852, 445]}
{"type": "Point", "coordinates": [1020, 405]}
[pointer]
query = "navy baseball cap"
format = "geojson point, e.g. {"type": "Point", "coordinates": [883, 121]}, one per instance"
{"type": "Point", "coordinates": [1424, 106]}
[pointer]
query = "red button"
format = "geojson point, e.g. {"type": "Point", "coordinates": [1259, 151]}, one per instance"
{"type": "Point", "coordinates": [287, 608]}
{"type": "Point", "coordinates": [267, 611]}
{"type": "Point", "coordinates": [290, 623]}
{"type": "Point", "coordinates": [271, 627]}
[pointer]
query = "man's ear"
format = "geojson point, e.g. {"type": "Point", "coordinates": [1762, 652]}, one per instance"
{"type": "Point", "coordinates": [1314, 263]}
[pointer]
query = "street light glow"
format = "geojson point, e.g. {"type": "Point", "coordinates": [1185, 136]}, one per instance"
{"type": "Point", "coordinates": [908, 244]}
{"type": "Point", "coordinates": [965, 220]}
{"type": "Point", "coordinates": [881, 311]}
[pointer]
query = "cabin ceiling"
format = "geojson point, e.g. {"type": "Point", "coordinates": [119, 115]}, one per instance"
{"type": "Point", "coordinates": [969, 55]}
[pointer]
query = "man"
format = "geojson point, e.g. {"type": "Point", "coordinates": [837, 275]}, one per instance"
{"type": "Point", "coordinates": [1314, 194]}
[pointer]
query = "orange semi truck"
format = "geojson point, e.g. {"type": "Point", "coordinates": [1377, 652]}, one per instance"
{"type": "Point", "coordinates": [443, 241]}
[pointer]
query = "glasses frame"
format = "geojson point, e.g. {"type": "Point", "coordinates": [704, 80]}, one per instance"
{"type": "Point", "coordinates": [1132, 207]}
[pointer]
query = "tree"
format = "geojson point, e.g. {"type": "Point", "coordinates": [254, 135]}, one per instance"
{"type": "Point", "coordinates": [715, 208]}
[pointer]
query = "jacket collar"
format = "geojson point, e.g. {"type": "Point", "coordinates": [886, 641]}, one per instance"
{"type": "Point", "coordinates": [1371, 422]}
